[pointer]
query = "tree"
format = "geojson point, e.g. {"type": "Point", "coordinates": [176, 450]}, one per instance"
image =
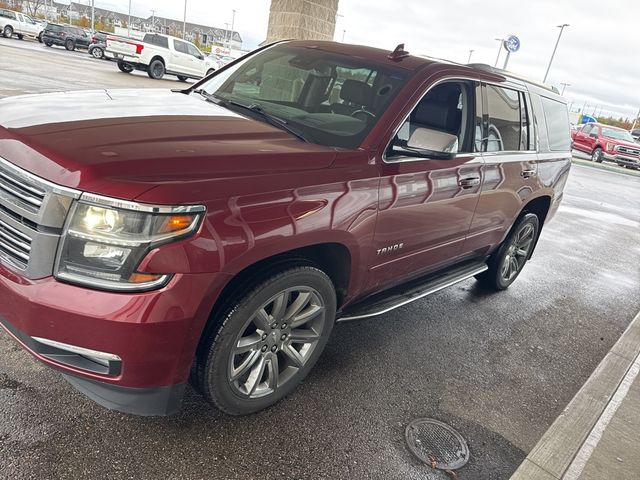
{"type": "Point", "coordinates": [33, 6]}
{"type": "Point", "coordinates": [83, 22]}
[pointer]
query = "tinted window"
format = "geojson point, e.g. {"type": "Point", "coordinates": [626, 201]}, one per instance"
{"type": "Point", "coordinates": [54, 28]}
{"type": "Point", "coordinates": [558, 130]}
{"type": "Point", "coordinates": [505, 120]}
{"type": "Point", "coordinates": [158, 40]}
{"type": "Point", "coordinates": [586, 129]}
{"type": "Point", "coordinates": [8, 14]}
{"type": "Point", "coordinates": [180, 47]}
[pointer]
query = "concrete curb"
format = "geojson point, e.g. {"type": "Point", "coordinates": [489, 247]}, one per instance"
{"type": "Point", "coordinates": [555, 452]}
{"type": "Point", "coordinates": [607, 167]}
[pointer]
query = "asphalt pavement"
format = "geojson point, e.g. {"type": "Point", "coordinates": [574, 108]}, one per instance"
{"type": "Point", "coordinates": [498, 367]}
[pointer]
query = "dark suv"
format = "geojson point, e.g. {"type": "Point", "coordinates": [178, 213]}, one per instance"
{"type": "Point", "coordinates": [66, 36]}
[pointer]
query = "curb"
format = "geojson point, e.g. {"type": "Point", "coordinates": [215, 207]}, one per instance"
{"type": "Point", "coordinates": [603, 166]}
{"type": "Point", "coordinates": [557, 449]}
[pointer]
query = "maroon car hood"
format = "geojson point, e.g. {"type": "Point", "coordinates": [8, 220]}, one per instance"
{"type": "Point", "coordinates": [124, 142]}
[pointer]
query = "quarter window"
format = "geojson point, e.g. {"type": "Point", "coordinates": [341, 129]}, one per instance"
{"type": "Point", "coordinates": [557, 117]}
{"type": "Point", "coordinates": [587, 129]}
{"type": "Point", "coordinates": [506, 130]}
{"type": "Point", "coordinates": [180, 47]}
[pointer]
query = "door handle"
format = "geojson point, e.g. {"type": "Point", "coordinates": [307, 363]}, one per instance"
{"type": "Point", "coordinates": [469, 182]}
{"type": "Point", "coordinates": [528, 173]}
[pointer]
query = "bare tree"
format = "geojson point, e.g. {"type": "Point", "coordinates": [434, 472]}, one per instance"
{"type": "Point", "coordinates": [33, 6]}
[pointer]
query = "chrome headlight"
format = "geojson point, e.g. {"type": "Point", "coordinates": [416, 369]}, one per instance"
{"type": "Point", "coordinates": [105, 240]}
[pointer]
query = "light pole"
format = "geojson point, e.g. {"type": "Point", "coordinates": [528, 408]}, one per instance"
{"type": "Point", "coordinates": [129, 22]}
{"type": "Point", "coordinates": [226, 34]}
{"type": "Point", "coordinates": [184, 22]}
{"type": "Point", "coordinates": [470, 53]}
{"type": "Point", "coordinates": [561, 27]}
{"type": "Point", "coordinates": [635, 120]}
{"type": "Point", "coordinates": [93, 16]}
{"type": "Point", "coordinates": [344, 32]}
{"type": "Point", "coordinates": [500, 42]}
{"type": "Point", "coordinates": [564, 85]}
{"type": "Point", "coordinates": [233, 22]}
{"type": "Point", "coordinates": [153, 20]}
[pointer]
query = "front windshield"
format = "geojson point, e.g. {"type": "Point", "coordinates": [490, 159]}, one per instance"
{"type": "Point", "coordinates": [617, 134]}
{"type": "Point", "coordinates": [333, 99]}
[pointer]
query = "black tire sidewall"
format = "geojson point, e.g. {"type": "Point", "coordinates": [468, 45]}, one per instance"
{"type": "Point", "coordinates": [214, 382]}
{"type": "Point", "coordinates": [598, 158]}
{"type": "Point", "coordinates": [7, 32]}
{"type": "Point", "coordinates": [70, 42]}
{"type": "Point", "coordinates": [151, 72]}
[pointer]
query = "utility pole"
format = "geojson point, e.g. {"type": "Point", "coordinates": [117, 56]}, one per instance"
{"type": "Point", "coordinates": [501, 41]}
{"type": "Point", "coordinates": [184, 23]}
{"type": "Point", "coordinates": [226, 34]}
{"type": "Point", "coordinates": [635, 120]}
{"type": "Point", "coordinates": [344, 32]}
{"type": "Point", "coordinates": [153, 20]}
{"type": "Point", "coordinates": [129, 22]}
{"type": "Point", "coordinates": [93, 15]}
{"type": "Point", "coordinates": [233, 22]}
{"type": "Point", "coordinates": [564, 85]}
{"type": "Point", "coordinates": [561, 27]}
{"type": "Point", "coordinates": [470, 53]}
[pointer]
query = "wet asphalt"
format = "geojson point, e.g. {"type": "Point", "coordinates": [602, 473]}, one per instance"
{"type": "Point", "coordinates": [498, 367]}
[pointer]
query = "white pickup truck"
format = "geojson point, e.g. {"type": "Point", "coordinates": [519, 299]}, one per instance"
{"type": "Point", "coordinates": [16, 23]}
{"type": "Point", "coordinates": [158, 55]}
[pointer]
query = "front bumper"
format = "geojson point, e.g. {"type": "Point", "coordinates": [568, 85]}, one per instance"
{"type": "Point", "coordinates": [133, 351]}
{"type": "Point", "coordinates": [623, 159]}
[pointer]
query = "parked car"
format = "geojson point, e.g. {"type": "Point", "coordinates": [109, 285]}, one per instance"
{"type": "Point", "coordinates": [98, 45]}
{"type": "Point", "coordinates": [218, 232]}
{"type": "Point", "coordinates": [604, 142]}
{"type": "Point", "coordinates": [159, 55]}
{"type": "Point", "coordinates": [635, 133]}
{"type": "Point", "coordinates": [66, 36]}
{"type": "Point", "coordinates": [19, 24]}
{"type": "Point", "coordinates": [220, 60]}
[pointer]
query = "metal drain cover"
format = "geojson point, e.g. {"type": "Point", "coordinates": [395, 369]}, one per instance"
{"type": "Point", "coordinates": [436, 444]}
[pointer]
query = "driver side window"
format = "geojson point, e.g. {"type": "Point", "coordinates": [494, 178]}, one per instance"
{"type": "Point", "coordinates": [445, 116]}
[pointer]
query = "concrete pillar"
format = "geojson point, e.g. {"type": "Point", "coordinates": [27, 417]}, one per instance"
{"type": "Point", "coordinates": [302, 20]}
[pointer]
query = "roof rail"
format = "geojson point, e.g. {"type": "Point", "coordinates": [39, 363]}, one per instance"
{"type": "Point", "coordinates": [500, 71]}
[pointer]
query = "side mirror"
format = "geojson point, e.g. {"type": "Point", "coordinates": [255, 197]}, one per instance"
{"type": "Point", "coordinates": [427, 143]}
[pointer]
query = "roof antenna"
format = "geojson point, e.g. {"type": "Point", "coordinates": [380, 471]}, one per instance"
{"type": "Point", "coordinates": [398, 54]}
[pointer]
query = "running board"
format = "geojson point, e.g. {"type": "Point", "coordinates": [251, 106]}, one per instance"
{"type": "Point", "coordinates": [396, 297]}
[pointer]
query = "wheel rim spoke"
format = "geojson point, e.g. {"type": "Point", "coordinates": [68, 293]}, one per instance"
{"type": "Point", "coordinates": [293, 355]}
{"type": "Point", "coordinates": [280, 306]}
{"type": "Point", "coordinates": [246, 344]}
{"type": "Point", "coordinates": [246, 364]}
{"type": "Point", "coordinates": [261, 319]}
{"type": "Point", "coordinates": [297, 305]}
{"type": "Point", "coordinates": [303, 336]}
{"type": "Point", "coordinates": [307, 315]}
{"type": "Point", "coordinates": [257, 372]}
{"type": "Point", "coordinates": [273, 372]}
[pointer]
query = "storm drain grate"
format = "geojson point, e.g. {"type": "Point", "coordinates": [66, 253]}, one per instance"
{"type": "Point", "coordinates": [437, 444]}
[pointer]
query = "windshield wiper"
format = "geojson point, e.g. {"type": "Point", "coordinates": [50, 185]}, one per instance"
{"type": "Point", "coordinates": [208, 96]}
{"type": "Point", "coordinates": [271, 119]}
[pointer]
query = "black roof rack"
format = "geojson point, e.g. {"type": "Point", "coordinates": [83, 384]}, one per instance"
{"type": "Point", "coordinates": [500, 71]}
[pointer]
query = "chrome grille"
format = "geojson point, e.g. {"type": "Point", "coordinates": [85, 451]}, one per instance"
{"type": "Point", "coordinates": [32, 214]}
{"type": "Point", "coordinates": [15, 244]}
{"type": "Point", "coordinates": [29, 195]}
{"type": "Point", "coordinates": [629, 150]}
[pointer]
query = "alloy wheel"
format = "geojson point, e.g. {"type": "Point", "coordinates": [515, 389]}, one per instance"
{"type": "Point", "coordinates": [517, 252]}
{"type": "Point", "coordinates": [276, 342]}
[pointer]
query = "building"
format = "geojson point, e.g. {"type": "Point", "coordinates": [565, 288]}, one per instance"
{"type": "Point", "coordinates": [203, 35]}
{"type": "Point", "coordinates": [302, 20]}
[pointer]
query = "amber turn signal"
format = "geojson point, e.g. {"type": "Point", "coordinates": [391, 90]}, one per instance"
{"type": "Point", "coordinates": [176, 223]}
{"type": "Point", "coordinates": [143, 277]}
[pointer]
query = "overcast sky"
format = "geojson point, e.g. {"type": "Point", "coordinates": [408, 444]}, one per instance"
{"type": "Point", "coordinates": [598, 54]}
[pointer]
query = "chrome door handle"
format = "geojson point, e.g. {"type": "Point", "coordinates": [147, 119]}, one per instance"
{"type": "Point", "coordinates": [528, 173]}
{"type": "Point", "coordinates": [469, 182]}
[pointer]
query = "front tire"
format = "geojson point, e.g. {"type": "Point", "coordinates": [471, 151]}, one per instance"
{"type": "Point", "coordinates": [7, 32]}
{"type": "Point", "coordinates": [210, 71]}
{"type": "Point", "coordinates": [596, 155]}
{"type": "Point", "coordinates": [508, 261]}
{"type": "Point", "coordinates": [156, 70]}
{"type": "Point", "coordinates": [267, 341]}
{"type": "Point", "coordinates": [182, 78]}
{"type": "Point", "coordinates": [97, 52]}
{"type": "Point", "coordinates": [20, 37]}
{"type": "Point", "coordinates": [70, 45]}
{"type": "Point", "coordinates": [40, 37]}
{"type": "Point", "coordinates": [48, 43]}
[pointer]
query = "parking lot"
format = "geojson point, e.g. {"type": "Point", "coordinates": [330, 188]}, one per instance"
{"type": "Point", "coordinates": [498, 367]}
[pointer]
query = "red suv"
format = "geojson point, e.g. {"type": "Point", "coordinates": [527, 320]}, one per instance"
{"type": "Point", "coordinates": [149, 237]}
{"type": "Point", "coordinates": [604, 142]}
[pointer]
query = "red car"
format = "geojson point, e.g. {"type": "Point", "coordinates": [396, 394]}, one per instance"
{"type": "Point", "coordinates": [149, 237]}
{"type": "Point", "coordinates": [604, 142]}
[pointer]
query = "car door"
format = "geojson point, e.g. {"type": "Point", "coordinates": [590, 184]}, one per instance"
{"type": "Point", "coordinates": [510, 167]}
{"type": "Point", "coordinates": [180, 58]}
{"type": "Point", "coordinates": [426, 204]}
{"type": "Point", "coordinates": [581, 139]}
{"type": "Point", "coordinates": [198, 67]}
{"type": "Point", "coordinates": [29, 26]}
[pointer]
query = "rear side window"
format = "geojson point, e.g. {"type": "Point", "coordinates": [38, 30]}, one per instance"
{"type": "Point", "coordinates": [508, 125]}
{"type": "Point", "coordinates": [558, 130]}
{"type": "Point", "coordinates": [158, 40]}
{"type": "Point", "coordinates": [180, 47]}
{"type": "Point", "coordinates": [8, 14]}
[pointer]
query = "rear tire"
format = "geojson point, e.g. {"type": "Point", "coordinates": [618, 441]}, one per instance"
{"type": "Point", "coordinates": [48, 43]}
{"type": "Point", "coordinates": [20, 37]}
{"type": "Point", "coordinates": [70, 45]}
{"type": "Point", "coordinates": [508, 261]}
{"type": "Point", "coordinates": [97, 52]}
{"type": "Point", "coordinates": [182, 78]}
{"type": "Point", "coordinates": [156, 69]}
{"type": "Point", "coordinates": [40, 37]}
{"type": "Point", "coordinates": [124, 67]}
{"type": "Point", "coordinates": [7, 32]}
{"type": "Point", "coordinates": [252, 359]}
